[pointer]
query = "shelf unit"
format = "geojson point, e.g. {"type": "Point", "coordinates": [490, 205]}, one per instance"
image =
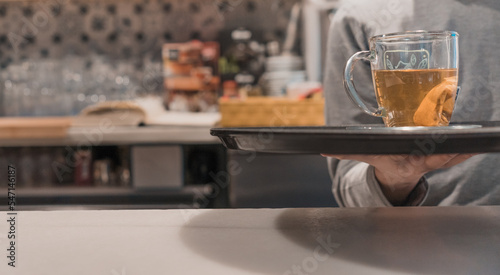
{"type": "Point", "coordinates": [195, 192]}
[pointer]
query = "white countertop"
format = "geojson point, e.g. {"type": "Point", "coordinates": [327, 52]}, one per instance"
{"type": "Point", "coordinates": [438, 240]}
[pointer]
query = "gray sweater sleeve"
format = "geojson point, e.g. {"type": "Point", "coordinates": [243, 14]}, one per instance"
{"type": "Point", "coordinates": [354, 183]}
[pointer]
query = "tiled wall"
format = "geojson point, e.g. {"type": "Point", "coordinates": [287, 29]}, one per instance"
{"type": "Point", "coordinates": [128, 29]}
{"type": "Point", "coordinates": [59, 56]}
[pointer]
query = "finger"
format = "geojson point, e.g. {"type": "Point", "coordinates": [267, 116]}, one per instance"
{"type": "Point", "coordinates": [398, 158]}
{"type": "Point", "coordinates": [364, 158]}
{"type": "Point", "coordinates": [433, 162]}
{"type": "Point", "coordinates": [376, 159]}
{"type": "Point", "coordinates": [458, 159]}
{"type": "Point", "coordinates": [415, 164]}
{"type": "Point", "coordinates": [442, 161]}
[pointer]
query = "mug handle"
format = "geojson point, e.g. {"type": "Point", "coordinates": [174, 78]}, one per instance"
{"type": "Point", "coordinates": [351, 89]}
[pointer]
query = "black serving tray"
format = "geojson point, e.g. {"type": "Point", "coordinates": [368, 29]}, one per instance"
{"type": "Point", "coordinates": [476, 137]}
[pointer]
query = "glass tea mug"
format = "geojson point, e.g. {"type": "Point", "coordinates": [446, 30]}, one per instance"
{"type": "Point", "coordinates": [415, 77]}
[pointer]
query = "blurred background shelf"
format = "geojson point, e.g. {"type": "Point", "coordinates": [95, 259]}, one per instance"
{"type": "Point", "coordinates": [136, 167]}
{"type": "Point", "coordinates": [52, 198]}
{"type": "Point", "coordinates": [89, 52]}
{"type": "Point", "coordinates": [105, 191]}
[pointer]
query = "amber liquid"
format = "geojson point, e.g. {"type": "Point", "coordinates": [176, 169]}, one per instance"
{"type": "Point", "coordinates": [416, 97]}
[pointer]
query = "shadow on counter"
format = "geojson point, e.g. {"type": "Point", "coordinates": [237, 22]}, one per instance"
{"type": "Point", "coordinates": [452, 240]}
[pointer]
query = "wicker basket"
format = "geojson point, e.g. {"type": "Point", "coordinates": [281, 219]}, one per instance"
{"type": "Point", "coordinates": [271, 112]}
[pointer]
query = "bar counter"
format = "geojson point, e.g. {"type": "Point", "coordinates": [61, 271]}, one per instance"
{"type": "Point", "coordinates": [120, 135]}
{"type": "Point", "coordinates": [426, 240]}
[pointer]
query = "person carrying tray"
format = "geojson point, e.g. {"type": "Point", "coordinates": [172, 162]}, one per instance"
{"type": "Point", "coordinates": [411, 180]}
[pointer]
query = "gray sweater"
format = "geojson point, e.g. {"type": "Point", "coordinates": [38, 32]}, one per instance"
{"type": "Point", "coordinates": [473, 182]}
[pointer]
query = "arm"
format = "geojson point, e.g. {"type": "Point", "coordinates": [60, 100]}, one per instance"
{"type": "Point", "coordinates": [386, 180]}
{"type": "Point", "coordinates": [354, 184]}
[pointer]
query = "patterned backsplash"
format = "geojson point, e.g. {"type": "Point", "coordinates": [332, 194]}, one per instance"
{"type": "Point", "coordinates": [128, 29]}
{"type": "Point", "coordinates": [59, 56]}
